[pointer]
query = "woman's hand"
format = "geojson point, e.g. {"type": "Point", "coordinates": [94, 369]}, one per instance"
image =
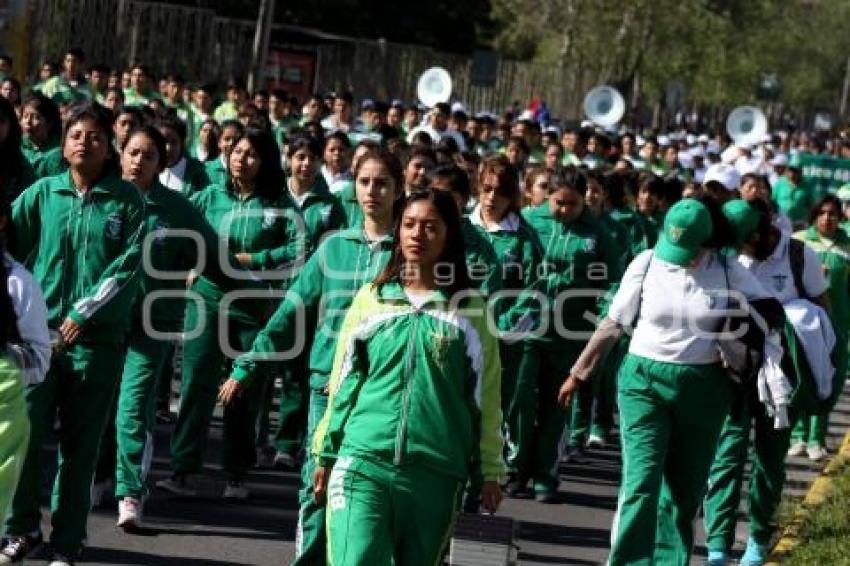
{"type": "Point", "coordinates": [244, 259]}
{"type": "Point", "coordinates": [569, 387]}
{"type": "Point", "coordinates": [320, 483]}
{"type": "Point", "coordinates": [191, 278]}
{"type": "Point", "coordinates": [229, 390]}
{"type": "Point", "coordinates": [70, 331]}
{"type": "Point", "coordinates": [491, 496]}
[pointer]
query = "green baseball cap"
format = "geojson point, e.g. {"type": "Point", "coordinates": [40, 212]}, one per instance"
{"type": "Point", "coordinates": [843, 192]}
{"type": "Point", "coordinates": [687, 227]}
{"type": "Point", "coordinates": [743, 217]}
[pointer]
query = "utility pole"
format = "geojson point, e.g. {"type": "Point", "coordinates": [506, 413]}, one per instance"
{"type": "Point", "coordinates": [265, 17]}
{"type": "Point", "coordinates": [845, 91]}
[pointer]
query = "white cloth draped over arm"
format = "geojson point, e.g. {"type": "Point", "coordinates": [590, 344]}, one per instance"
{"type": "Point", "coordinates": [32, 356]}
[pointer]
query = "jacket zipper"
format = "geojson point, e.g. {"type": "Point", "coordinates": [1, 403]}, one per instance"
{"type": "Point", "coordinates": [405, 399]}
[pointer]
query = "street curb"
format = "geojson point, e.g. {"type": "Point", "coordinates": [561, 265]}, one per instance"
{"type": "Point", "coordinates": [814, 497]}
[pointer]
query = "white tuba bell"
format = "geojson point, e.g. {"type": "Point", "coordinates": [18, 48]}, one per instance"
{"type": "Point", "coordinates": [604, 105]}
{"type": "Point", "coordinates": [746, 125]}
{"type": "Point", "coordinates": [434, 85]}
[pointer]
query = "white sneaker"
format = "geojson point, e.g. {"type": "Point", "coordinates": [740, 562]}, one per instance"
{"type": "Point", "coordinates": [60, 560]}
{"type": "Point", "coordinates": [236, 490]}
{"type": "Point", "coordinates": [797, 449]}
{"type": "Point", "coordinates": [178, 484]}
{"type": "Point", "coordinates": [816, 453]}
{"type": "Point", "coordinates": [130, 513]}
{"type": "Point", "coordinates": [595, 441]}
{"type": "Point", "coordinates": [101, 492]}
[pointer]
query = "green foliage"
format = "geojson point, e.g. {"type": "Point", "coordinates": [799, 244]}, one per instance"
{"type": "Point", "coordinates": [825, 533]}
{"type": "Point", "coordinates": [718, 49]}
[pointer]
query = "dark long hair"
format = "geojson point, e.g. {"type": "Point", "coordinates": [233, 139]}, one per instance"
{"type": "Point", "coordinates": [827, 199]}
{"type": "Point", "coordinates": [270, 178]}
{"type": "Point", "coordinates": [9, 325]}
{"type": "Point", "coordinates": [722, 235]}
{"type": "Point", "coordinates": [454, 252]}
{"type": "Point", "coordinates": [11, 158]}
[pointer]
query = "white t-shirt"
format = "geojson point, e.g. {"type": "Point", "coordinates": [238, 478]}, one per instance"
{"type": "Point", "coordinates": [681, 309]}
{"type": "Point", "coordinates": [775, 273]}
{"type": "Point", "coordinates": [172, 177]}
{"type": "Point", "coordinates": [418, 298]}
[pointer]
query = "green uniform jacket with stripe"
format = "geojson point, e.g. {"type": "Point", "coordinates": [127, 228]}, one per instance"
{"type": "Point", "coordinates": [173, 253]}
{"type": "Point", "coordinates": [45, 161]}
{"type": "Point", "coordinates": [638, 241]}
{"type": "Point", "coordinates": [579, 258]}
{"type": "Point", "coordinates": [518, 251]}
{"type": "Point", "coordinates": [415, 386]}
{"type": "Point", "coordinates": [85, 252]}
{"type": "Point", "coordinates": [321, 211]}
{"type": "Point", "coordinates": [311, 313]}
{"type": "Point", "coordinates": [272, 232]}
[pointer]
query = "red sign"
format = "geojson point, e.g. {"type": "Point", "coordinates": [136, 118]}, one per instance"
{"type": "Point", "coordinates": [293, 71]}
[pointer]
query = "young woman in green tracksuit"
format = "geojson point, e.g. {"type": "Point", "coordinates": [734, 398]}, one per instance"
{"type": "Point", "coordinates": [259, 224]}
{"type": "Point", "coordinates": [415, 398]}
{"type": "Point", "coordinates": [766, 253]}
{"type": "Point", "coordinates": [311, 314]}
{"type": "Point", "coordinates": [673, 391]}
{"type": "Point", "coordinates": [593, 412]}
{"type": "Point", "coordinates": [217, 169]}
{"type": "Point", "coordinates": [578, 266]}
{"type": "Point", "coordinates": [41, 128]}
{"type": "Point", "coordinates": [348, 194]}
{"type": "Point", "coordinates": [24, 357]}
{"type": "Point", "coordinates": [322, 214]}
{"type": "Point", "coordinates": [167, 255]}
{"type": "Point", "coordinates": [82, 233]}
{"type": "Point", "coordinates": [497, 219]}
{"type": "Point", "coordinates": [832, 245]}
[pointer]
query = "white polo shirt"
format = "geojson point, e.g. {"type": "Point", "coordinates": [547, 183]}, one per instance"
{"type": "Point", "coordinates": [681, 309]}
{"type": "Point", "coordinates": [775, 273]}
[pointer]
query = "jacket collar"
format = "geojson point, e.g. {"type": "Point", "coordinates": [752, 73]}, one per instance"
{"type": "Point", "coordinates": [510, 223]}
{"type": "Point", "coordinates": [394, 292]}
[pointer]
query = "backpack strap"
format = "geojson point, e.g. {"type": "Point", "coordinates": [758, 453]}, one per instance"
{"type": "Point", "coordinates": [797, 259]}
{"type": "Point", "coordinates": [640, 295]}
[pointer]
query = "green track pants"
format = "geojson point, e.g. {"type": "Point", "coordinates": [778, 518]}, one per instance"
{"type": "Point", "coordinates": [14, 433]}
{"type": "Point", "coordinates": [727, 476]}
{"type": "Point", "coordinates": [136, 417]}
{"type": "Point", "coordinates": [379, 514]}
{"type": "Point", "coordinates": [204, 368]}
{"type": "Point", "coordinates": [539, 421]}
{"type": "Point", "coordinates": [79, 389]}
{"type": "Point", "coordinates": [310, 539]}
{"type": "Point", "coordinates": [670, 419]}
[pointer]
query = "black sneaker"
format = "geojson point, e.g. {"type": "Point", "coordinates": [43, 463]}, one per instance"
{"type": "Point", "coordinates": [574, 455]}
{"type": "Point", "coordinates": [16, 548]}
{"type": "Point", "coordinates": [516, 487]}
{"type": "Point", "coordinates": [179, 484]}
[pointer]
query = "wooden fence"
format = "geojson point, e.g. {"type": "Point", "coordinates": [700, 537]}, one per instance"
{"type": "Point", "coordinates": [202, 46]}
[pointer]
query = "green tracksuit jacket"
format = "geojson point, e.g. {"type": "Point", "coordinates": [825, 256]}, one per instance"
{"type": "Point", "coordinates": [578, 256]}
{"type": "Point", "coordinates": [324, 289]}
{"type": "Point", "coordinates": [217, 171]}
{"type": "Point", "coordinates": [415, 386]}
{"type": "Point", "coordinates": [322, 212]}
{"type": "Point", "coordinates": [84, 251]}
{"type": "Point", "coordinates": [348, 199]}
{"type": "Point", "coordinates": [269, 231]}
{"type": "Point", "coordinates": [196, 179]}
{"type": "Point", "coordinates": [45, 161]}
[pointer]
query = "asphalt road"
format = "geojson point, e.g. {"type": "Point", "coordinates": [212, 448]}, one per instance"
{"type": "Point", "coordinates": [208, 531]}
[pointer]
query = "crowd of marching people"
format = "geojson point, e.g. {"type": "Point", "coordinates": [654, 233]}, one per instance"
{"type": "Point", "coordinates": [422, 309]}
